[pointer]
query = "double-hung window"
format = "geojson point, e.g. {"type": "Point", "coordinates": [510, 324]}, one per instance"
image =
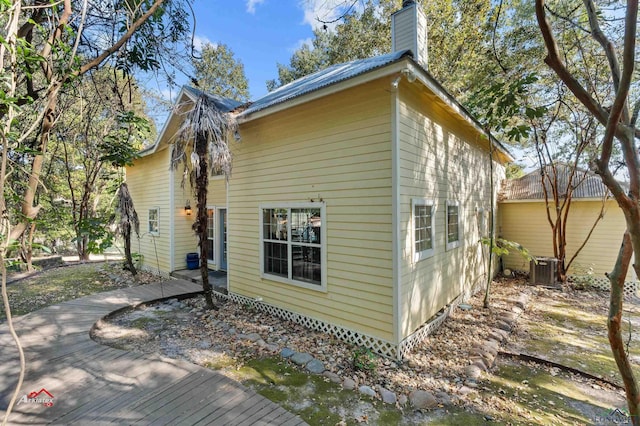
{"type": "Point", "coordinates": [423, 226]}
{"type": "Point", "coordinates": [293, 248]}
{"type": "Point", "coordinates": [153, 221]}
{"type": "Point", "coordinates": [454, 227]}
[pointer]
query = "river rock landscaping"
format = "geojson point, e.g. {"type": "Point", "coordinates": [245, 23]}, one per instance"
{"type": "Point", "coordinates": [457, 376]}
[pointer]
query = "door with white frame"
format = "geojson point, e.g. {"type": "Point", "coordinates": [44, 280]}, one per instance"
{"type": "Point", "coordinates": [217, 237]}
{"type": "Point", "coordinates": [222, 238]}
{"type": "Point", "coordinates": [211, 236]}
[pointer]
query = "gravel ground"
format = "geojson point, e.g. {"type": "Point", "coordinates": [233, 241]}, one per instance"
{"type": "Point", "coordinates": [234, 335]}
{"type": "Point", "coordinates": [185, 329]}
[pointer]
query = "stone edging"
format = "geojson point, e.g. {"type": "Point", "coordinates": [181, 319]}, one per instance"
{"type": "Point", "coordinates": [484, 353]}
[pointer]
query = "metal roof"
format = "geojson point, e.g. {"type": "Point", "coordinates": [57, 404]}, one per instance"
{"type": "Point", "coordinates": [326, 77]}
{"type": "Point", "coordinates": [223, 104]}
{"type": "Point", "coordinates": [585, 183]}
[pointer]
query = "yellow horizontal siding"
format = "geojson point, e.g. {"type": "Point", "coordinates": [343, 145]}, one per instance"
{"type": "Point", "coordinates": [336, 149]}
{"type": "Point", "coordinates": [185, 240]}
{"type": "Point", "coordinates": [148, 181]}
{"type": "Point", "coordinates": [439, 160]}
{"type": "Point", "coordinates": [527, 224]}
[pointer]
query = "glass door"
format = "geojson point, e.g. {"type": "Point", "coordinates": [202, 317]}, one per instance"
{"type": "Point", "coordinates": [222, 215]}
{"type": "Point", "coordinates": [211, 232]}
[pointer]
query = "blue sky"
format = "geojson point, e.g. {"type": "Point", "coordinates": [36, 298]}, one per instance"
{"type": "Point", "coordinates": [261, 33]}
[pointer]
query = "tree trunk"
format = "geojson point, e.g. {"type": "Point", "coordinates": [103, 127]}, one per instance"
{"type": "Point", "coordinates": [614, 326]}
{"type": "Point", "coordinates": [202, 184]}
{"type": "Point", "coordinates": [127, 250]}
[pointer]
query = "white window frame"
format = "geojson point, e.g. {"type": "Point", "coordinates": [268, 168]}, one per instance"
{"type": "Point", "coordinates": [157, 220]}
{"type": "Point", "coordinates": [423, 254]}
{"type": "Point", "coordinates": [323, 245]}
{"type": "Point", "coordinates": [453, 244]}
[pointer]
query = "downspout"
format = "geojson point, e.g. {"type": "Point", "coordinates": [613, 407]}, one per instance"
{"type": "Point", "coordinates": [395, 214]}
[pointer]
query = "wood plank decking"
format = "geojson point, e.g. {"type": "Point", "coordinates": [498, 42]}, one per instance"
{"type": "Point", "coordinates": [95, 384]}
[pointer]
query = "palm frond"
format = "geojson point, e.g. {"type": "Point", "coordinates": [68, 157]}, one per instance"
{"type": "Point", "coordinates": [206, 123]}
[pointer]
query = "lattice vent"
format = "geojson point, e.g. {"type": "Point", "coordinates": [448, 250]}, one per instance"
{"type": "Point", "coordinates": [379, 346]}
{"type": "Point", "coordinates": [409, 343]}
{"type": "Point", "coordinates": [602, 283]}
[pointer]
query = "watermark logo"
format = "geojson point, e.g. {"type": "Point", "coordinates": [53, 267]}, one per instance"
{"type": "Point", "coordinates": [616, 416]}
{"type": "Point", "coordinates": [41, 397]}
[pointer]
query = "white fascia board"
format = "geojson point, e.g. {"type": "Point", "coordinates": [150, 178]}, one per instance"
{"type": "Point", "coordinates": [152, 149]}
{"type": "Point", "coordinates": [375, 74]}
{"type": "Point", "coordinates": [430, 83]}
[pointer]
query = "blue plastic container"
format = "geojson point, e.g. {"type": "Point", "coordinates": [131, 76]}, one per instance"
{"type": "Point", "coordinates": [192, 261]}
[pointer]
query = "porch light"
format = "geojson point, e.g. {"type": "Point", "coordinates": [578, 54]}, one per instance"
{"type": "Point", "coordinates": [187, 208]}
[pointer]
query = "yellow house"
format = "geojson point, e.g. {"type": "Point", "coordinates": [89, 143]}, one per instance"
{"type": "Point", "coordinates": [523, 218]}
{"type": "Point", "coordinates": [356, 202]}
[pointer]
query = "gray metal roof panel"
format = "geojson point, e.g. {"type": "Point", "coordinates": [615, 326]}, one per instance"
{"type": "Point", "coordinates": [586, 184]}
{"type": "Point", "coordinates": [326, 77]}
{"type": "Point", "coordinates": [223, 104]}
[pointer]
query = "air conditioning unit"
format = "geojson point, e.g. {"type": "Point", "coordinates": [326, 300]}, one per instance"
{"type": "Point", "coordinates": [543, 271]}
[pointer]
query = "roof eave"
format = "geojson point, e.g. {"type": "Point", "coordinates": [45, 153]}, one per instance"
{"type": "Point", "coordinates": [321, 92]}
{"type": "Point", "coordinates": [152, 149]}
{"type": "Point", "coordinates": [435, 87]}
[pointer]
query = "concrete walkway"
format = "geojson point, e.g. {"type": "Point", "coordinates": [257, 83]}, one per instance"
{"type": "Point", "coordinates": [95, 384]}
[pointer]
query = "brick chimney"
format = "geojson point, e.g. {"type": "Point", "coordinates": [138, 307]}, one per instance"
{"type": "Point", "coordinates": [409, 31]}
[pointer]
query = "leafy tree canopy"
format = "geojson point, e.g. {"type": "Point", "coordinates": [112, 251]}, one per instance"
{"type": "Point", "coordinates": [218, 71]}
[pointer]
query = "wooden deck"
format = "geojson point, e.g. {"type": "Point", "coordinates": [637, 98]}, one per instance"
{"type": "Point", "coordinates": [95, 384]}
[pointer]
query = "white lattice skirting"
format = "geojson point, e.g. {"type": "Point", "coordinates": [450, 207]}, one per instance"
{"type": "Point", "coordinates": [381, 347]}
{"type": "Point", "coordinates": [377, 345]}
{"type": "Point", "coordinates": [602, 283]}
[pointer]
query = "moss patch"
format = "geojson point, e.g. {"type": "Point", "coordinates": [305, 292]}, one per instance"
{"type": "Point", "coordinates": [314, 398]}
{"type": "Point", "coordinates": [531, 394]}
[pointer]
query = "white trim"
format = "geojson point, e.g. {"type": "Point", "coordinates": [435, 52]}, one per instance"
{"type": "Point", "coordinates": [219, 235]}
{"type": "Point", "coordinates": [213, 262]}
{"type": "Point", "coordinates": [396, 244]}
{"type": "Point", "coordinates": [322, 287]}
{"type": "Point", "coordinates": [228, 234]}
{"type": "Point", "coordinates": [375, 74]}
{"type": "Point", "coordinates": [152, 149]}
{"type": "Point", "coordinates": [453, 244]}
{"type": "Point", "coordinates": [154, 233]}
{"type": "Point", "coordinates": [424, 254]}
{"type": "Point", "coordinates": [434, 87]}
{"type": "Point", "coordinates": [172, 220]}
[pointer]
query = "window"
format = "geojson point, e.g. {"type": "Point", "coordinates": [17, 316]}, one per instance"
{"type": "Point", "coordinates": [154, 221]}
{"type": "Point", "coordinates": [292, 239]}
{"type": "Point", "coordinates": [423, 224]}
{"type": "Point", "coordinates": [453, 224]}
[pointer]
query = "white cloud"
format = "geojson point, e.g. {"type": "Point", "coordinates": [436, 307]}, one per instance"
{"type": "Point", "coordinates": [318, 13]}
{"type": "Point", "coordinates": [308, 41]}
{"type": "Point", "coordinates": [251, 5]}
{"type": "Point", "coordinates": [200, 41]}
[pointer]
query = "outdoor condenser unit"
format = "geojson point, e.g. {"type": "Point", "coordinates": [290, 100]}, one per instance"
{"type": "Point", "coordinates": [544, 271]}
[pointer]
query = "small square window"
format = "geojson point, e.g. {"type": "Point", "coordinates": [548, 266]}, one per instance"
{"type": "Point", "coordinates": [454, 229]}
{"type": "Point", "coordinates": [154, 221]}
{"type": "Point", "coordinates": [423, 225]}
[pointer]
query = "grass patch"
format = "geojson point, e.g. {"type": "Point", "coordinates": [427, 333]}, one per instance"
{"type": "Point", "coordinates": [58, 285]}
